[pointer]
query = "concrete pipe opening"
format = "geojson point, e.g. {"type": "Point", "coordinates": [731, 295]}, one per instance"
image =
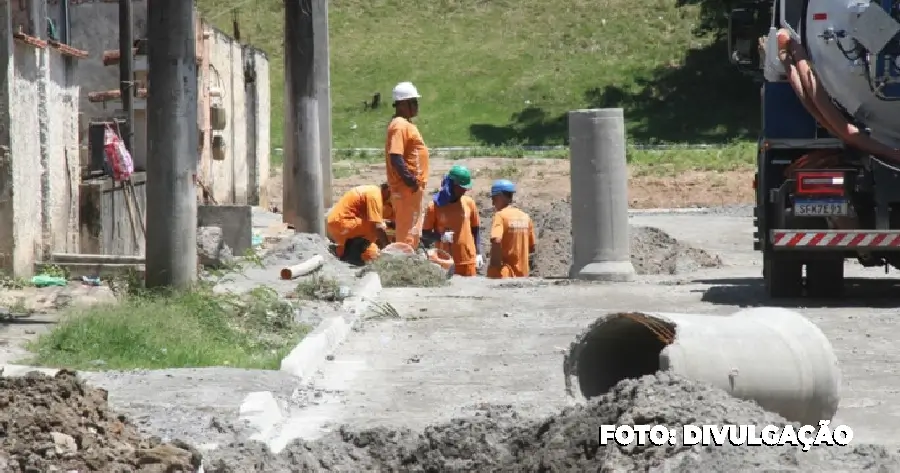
{"type": "Point", "coordinates": [773, 356]}
{"type": "Point", "coordinates": [623, 346]}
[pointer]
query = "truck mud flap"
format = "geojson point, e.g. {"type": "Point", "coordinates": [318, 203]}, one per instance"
{"type": "Point", "coordinates": [882, 240]}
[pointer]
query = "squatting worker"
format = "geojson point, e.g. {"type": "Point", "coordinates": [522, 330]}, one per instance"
{"type": "Point", "coordinates": [512, 235]}
{"type": "Point", "coordinates": [451, 221]}
{"type": "Point", "coordinates": [407, 165]}
{"type": "Point", "coordinates": [357, 225]}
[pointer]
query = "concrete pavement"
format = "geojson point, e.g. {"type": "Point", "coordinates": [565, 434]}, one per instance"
{"type": "Point", "coordinates": [495, 342]}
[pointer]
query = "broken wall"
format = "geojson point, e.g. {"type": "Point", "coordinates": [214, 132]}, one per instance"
{"type": "Point", "coordinates": [242, 73]}
{"type": "Point", "coordinates": [38, 140]}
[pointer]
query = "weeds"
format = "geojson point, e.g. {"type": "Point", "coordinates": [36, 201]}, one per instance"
{"type": "Point", "coordinates": [155, 330]}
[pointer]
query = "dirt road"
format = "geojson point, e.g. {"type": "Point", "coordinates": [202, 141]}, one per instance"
{"type": "Point", "coordinates": [547, 180]}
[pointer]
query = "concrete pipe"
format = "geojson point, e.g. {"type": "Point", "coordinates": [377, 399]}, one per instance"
{"type": "Point", "coordinates": [773, 356]}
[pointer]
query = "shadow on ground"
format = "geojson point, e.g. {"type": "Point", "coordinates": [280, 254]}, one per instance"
{"type": "Point", "coordinates": [750, 292]}
{"type": "Point", "coordinates": [705, 99]}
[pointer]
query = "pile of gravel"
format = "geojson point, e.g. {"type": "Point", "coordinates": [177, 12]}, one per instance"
{"type": "Point", "coordinates": [653, 251]}
{"type": "Point", "coordinates": [498, 440]}
{"type": "Point", "coordinates": [60, 424]}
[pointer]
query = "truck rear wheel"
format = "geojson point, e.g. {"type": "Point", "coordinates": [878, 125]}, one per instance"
{"type": "Point", "coordinates": [783, 275]}
{"type": "Point", "coordinates": [825, 278]}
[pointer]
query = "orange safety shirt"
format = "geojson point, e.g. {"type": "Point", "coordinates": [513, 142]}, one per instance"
{"type": "Point", "coordinates": [403, 138]}
{"type": "Point", "coordinates": [514, 230]}
{"type": "Point", "coordinates": [362, 202]}
{"type": "Point", "coordinates": [458, 217]}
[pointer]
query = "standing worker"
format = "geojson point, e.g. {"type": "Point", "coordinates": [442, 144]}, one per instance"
{"type": "Point", "coordinates": [407, 165]}
{"type": "Point", "coordinates": [357, 225]}
{"type": "Point", "coordinates": [512, 235]}
{"type": "Point", "coordinates": [451, 220]}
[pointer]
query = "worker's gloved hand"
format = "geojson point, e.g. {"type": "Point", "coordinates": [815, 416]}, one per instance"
{"type": "Point", "coordinates": [479, 262]}
{"type": "Point", "coordinates": [447, 237]}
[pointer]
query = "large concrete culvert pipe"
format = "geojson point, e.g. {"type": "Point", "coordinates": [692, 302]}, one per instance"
{"type": "Point", "coordinates": [772, 356]}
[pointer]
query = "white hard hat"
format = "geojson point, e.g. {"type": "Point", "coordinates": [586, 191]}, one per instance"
{"type": "Point", "coordinates": [405, 91]}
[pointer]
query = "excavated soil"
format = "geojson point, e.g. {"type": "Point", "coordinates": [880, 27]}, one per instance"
{"type": "Point", "coordinates": [497, 440]}
{"type": "Point", "coordinates": [653, 251]}
{"type": "Point", "coordinates": [60, 424]}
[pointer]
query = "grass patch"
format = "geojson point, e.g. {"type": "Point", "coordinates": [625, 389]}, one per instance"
{"type": "Point", "coordinates": [503, 72]}
{"type": "Point", "coordinates": [407, 271]}
{"type": "Point", "coordinates": [187, 329]}
{"type": "Point", "coordinates": [318, 288]}
{"type": "Point", "coordinates": [736, 156]}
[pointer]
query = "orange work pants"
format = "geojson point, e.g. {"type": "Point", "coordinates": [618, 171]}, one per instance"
{"type": "Point", "coordinates": [503, 272]}
{"type": "Point", "coordinates": [408, 215]}
{"type": "Point", "coordinates": [465, 270]}
{"type": "Point", "coordinates": [342, 230]}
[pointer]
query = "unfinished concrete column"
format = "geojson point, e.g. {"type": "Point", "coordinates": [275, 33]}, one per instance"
{"type": "Point", "coordinates": [600, 237]}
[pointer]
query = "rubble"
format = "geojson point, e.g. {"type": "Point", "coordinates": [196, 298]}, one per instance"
{"type": "Point", "coordinates": [59, 423]}
{"type": "Point", "coordinates": [211, 248]}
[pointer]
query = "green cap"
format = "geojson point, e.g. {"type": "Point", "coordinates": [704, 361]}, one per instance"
{"type": "Point", "coordinates": [461, 176]}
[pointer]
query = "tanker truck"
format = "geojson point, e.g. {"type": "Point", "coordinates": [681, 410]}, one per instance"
{"type": "Point", "coordinates": [827, 178]}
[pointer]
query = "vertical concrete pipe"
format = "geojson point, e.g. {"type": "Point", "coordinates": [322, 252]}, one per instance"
{"type": "Point", "coordinates": [600, 237]}
{"type": "Point", "coordinates": [773, 356]}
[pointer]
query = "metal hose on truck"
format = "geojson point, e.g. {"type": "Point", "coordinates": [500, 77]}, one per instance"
{"type": "Point", "coordinates": [772, 356]}
{"type": "Point", "coordinates": [802, 77]}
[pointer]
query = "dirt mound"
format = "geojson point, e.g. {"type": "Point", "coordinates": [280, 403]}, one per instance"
{"type": "Point", "coordinates": [653, 251]}
{"type": "Point", "coordinates": [60, 424]}
{"type": "Point", "coordinates": [498, 440]}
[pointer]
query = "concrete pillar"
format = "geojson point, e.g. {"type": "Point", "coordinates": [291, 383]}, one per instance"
{"type": "Point", "coordinates": [323, 94]}
{"type": "Point", "coordinates": [601, 250]}
{"type": "Point", "coordinates": [172, 138]}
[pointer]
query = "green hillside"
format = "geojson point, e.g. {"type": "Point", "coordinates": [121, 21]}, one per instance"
{"type": "Point", "coordinates": [500, 72]}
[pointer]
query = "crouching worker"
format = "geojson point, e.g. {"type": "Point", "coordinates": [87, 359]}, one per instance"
{"type": "Point", "coordinates": [451, 222]}
{"type": "Point", "coordinates": [357, 225]}
{"type": "Point", "coordinates": [512, 235]}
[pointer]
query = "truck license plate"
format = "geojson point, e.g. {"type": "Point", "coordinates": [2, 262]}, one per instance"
{"type": "Point", "coordinates": [821, 208]}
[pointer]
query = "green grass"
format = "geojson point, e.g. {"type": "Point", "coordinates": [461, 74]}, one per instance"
{"type": "Point", "coordinates": [190, 329]}
{"type": "Point", "coordinates": [504, 72]}
{"type": "Point", "coordinates": [738, 155]}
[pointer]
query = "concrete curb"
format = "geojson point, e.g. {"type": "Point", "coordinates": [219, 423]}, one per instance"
{"type": "Point", "coordinates": [685, 210]}
{"type": "Point", "coordinates": [14, 371]}
{"type": "Point", "coordinates": [304, 360]}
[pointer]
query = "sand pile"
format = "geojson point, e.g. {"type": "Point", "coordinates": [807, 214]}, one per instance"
{"type": "Point", "coordinates": [60, 424]}
{"type": "Point", "coordinates": [568, 441]}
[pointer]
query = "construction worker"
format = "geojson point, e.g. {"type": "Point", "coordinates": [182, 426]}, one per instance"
{"type": "Point", "coordinates": [357, 225]}
{"type": "Point", "coordinates": [407, 165]}
{"type": "Point", "coordinates": [512, 235]}
{"type": "Point", "coordinates": [451, 221]}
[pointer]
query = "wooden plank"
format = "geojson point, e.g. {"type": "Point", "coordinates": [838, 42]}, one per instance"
{"type": "Point", "coordinates": [103, 271]}
{"type": "Point", "coordinates": [96, 259]}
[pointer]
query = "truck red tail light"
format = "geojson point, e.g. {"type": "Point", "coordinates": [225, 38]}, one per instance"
{"type": "Point", "coordinates": [820, 183]}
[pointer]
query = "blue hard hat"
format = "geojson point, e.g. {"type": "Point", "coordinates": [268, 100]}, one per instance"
{"type": "Point", "coordinates": [502, 185]}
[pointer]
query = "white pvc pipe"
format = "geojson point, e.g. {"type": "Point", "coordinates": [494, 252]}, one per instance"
{"type": "Point", "coordinates": [302, 269]}
{"type": "Point", "coordinates": [773, 356]}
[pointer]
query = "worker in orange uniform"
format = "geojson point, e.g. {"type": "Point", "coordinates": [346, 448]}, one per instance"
{"type": "Point", "coordinates": [512, 235]}
{"type": "Point", "coordinates": [451, 222]}
{"type": "Point", "coordinates": [357, 225]}
{"type": "Point", "coordinates": [407, 165]}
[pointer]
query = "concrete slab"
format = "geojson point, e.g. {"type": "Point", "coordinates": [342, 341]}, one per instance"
{"type": "Point", "coordinates": [236, 222]}
{"type": "Point", "coordinates": [482, 341]}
